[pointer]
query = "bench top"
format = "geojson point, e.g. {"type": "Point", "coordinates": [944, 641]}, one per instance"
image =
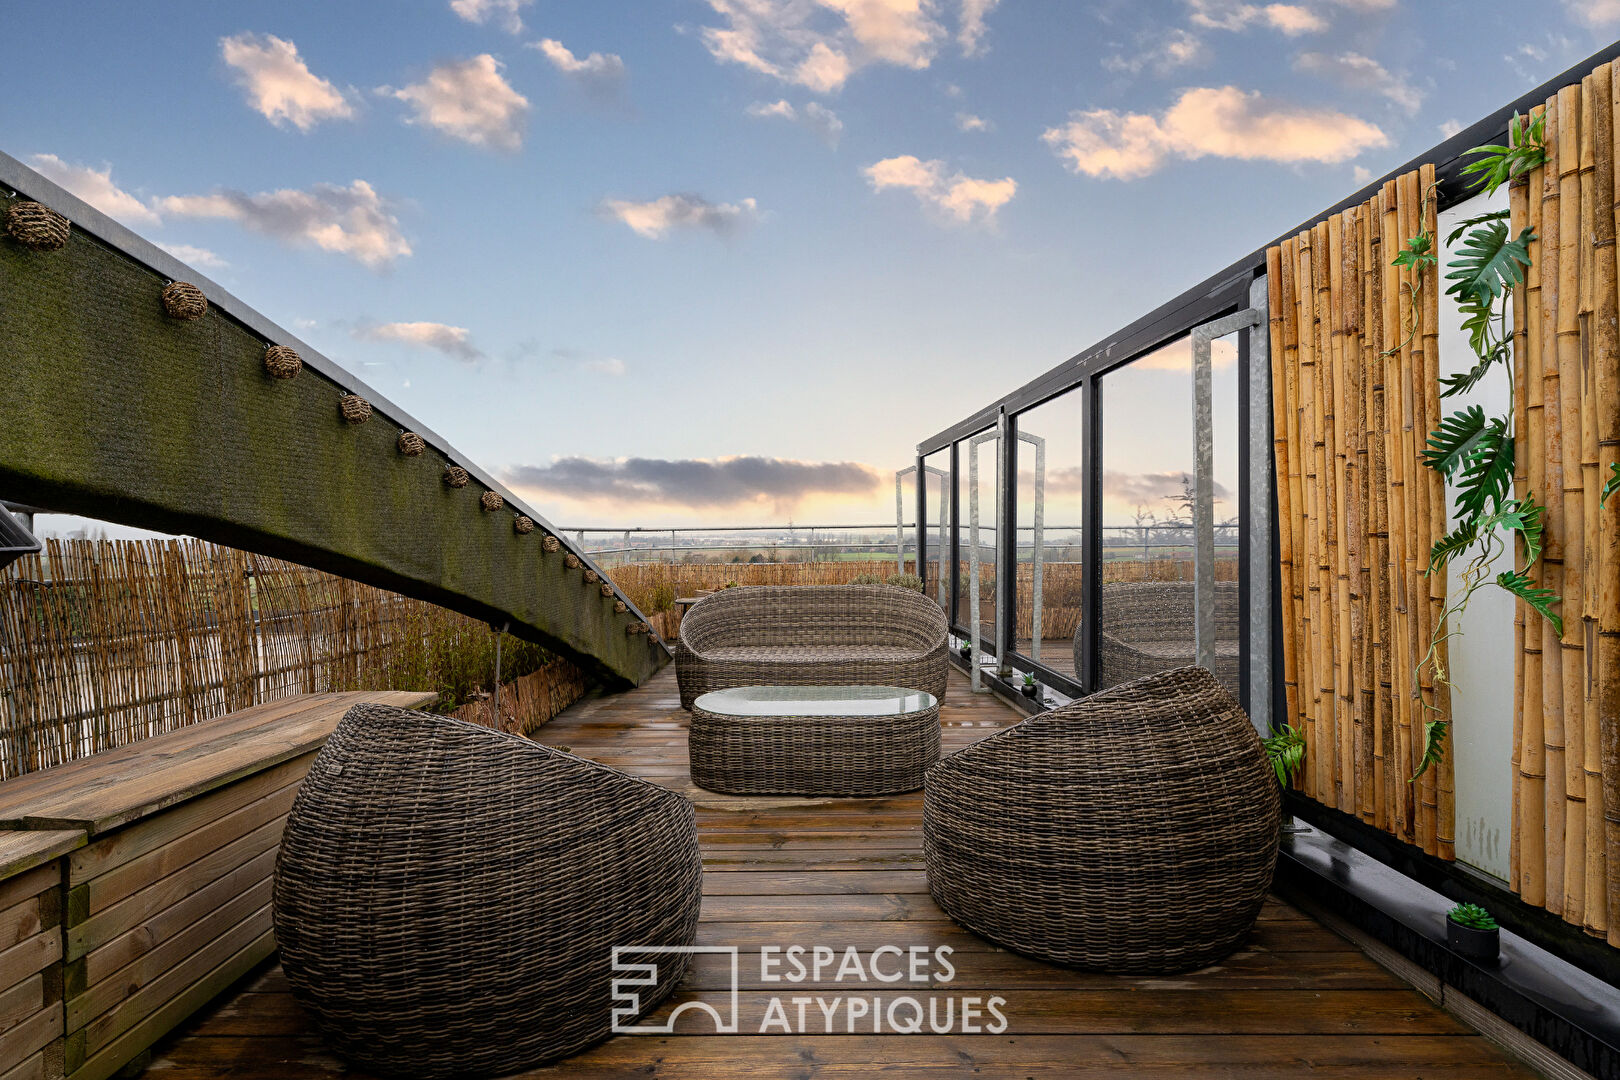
{"type": "Point", "coordinates": [116, 787]}
{"type": "Point", "coordinates": [21, 851]}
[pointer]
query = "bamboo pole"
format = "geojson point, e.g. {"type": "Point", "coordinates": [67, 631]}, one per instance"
{"type": "Point", "coordinates": [1395, 330]}
{"type": "Point", "coordinates": [1415, 500]}
{"type": "Point", "coordinates": [1377, 523]}
{"type": "Point", "coordinates": [1281, 356]}
{"type": "Point", "coordinates": [1523, 213]}
{"type": "Point", "coordinates": [1291, 263]}
{"type": "Point", "coordinates": [1602, 754]}
{"type": "Point", "coordinates": [1325, 657]}
{"type": "Point", "coordinates": [1574, 256]}
{"type": "Point", "coordinates": [1353, 422]}
{"type": "Point", "coordinates": [1338, 503]}
{"type": "Point", "coordinates": [1310, 520]}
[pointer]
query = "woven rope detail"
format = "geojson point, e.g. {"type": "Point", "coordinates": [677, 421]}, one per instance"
{"type": "Point", "coordinates": [455, 476]}
{"type": "Point", "coordinates": [620, 607]}
{"type": "Point", "coordinates": [410, 443]}
{"type": "Point", "coordinates": [36, 226]}
{"type": "Point", "coordinates": [523, 524]}
{"type": "Point", "coordinates": [354, 408]}
{"type": "Point", "coordinates": [184, 301]}
{"type": "Point", "coordinates": [491, 500]}
{"type": "Point", "coordinates": [282, 361]}
{"type": "Point", "coordinates": [550, 545]}
{"type": "Point", "coordinates": [592, 577]}
{"type": "Point", "coordinates": [636, 628]}
{"type": "Point", "coordinates": [571, 561]}
{"type": "Point", "coordinates": [607, 589]}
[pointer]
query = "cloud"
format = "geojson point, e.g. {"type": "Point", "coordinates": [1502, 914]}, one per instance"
{"type": "Point", "coordinates": [1290, 19]}
{"type": "Point", "coordinates": [606, 365]}
{"type": "Point", "coordinates": [196, 256]}
{"type": "Point", "coordinates": [1448, 128]}
{"type": "Point", "coordinates": [1208, 122]}
{"type": "Point", "coordinates": [655, 218]}
{"type": "Point", "coordinates": [468, 100]}
{"type": "Point", "coordinates": [453, 341]}
{"type": "Point", "coordinates": [352, 221]}
{"type": "Point", "coordinates": [279, 85]}
{"type": "Point", "coordinates": [1163, 52]}
{"type": "Point", "coordinates": [1145, 489]}
{"type": "Point", "coordinates": [1361, 175]}
{"type": "Point", "coordinates": [1593, 12]}
{"type": "Point", "coordinates": [957, 196]}
{"type": "Point", "coordinates": [600, 75]}
{"type": "Point", "coordinates": [507, 14]}
{"type": "Point", "coordinates": [971, 122]}
{"type": "Point", "coordinates": [1358, 72]}
{"type": "Point", "coordinates": [815, 116]}
{"type": "Point", "coordinates": [696, 483]}
{"type": "Point", "coordinates": [970, 27]}
{"type": "Point", "coordinates": [96, 187]}
{"type": "Point", "coordinates": [1177, 357]}
{"type": "Point", "coordinates": [819, 45]}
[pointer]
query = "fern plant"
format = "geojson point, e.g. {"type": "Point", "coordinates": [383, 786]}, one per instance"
{"type": "Point", "coordinates": [1473, 451]}
{"type": "Point", "coordinates": [1286, 752]}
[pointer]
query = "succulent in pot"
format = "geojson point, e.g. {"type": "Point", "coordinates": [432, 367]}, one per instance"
{"type": "Point", "coordinates": [1031, 690]}
{"type": "Point", "coordinates": [966, 649]}
{"type": "Point", "coordinates": [1471, 931]}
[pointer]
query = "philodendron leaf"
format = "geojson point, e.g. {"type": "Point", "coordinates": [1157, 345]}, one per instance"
{"type": "Point", "coordinates": [1525, 588]}
{"type": "Point", "coordinates": [1613, 484]}
{"type": "Point", "coordinates": [1487, 471]}
{"type": "Point", "coordinates": [1452, 544]}
{"type": "Point", "coordinates": [1434, 746]}
{"type": "Point", "coordinates": [1464, 226]}
{"type": "Point", "coordinates": [1452, 385]}
{"type": "Point", "coordinates": [1488, 263]}
{"type": "Point", "coordinates": [1455, 438]}
{"type": "Point", "coordinates": [1524, 517]}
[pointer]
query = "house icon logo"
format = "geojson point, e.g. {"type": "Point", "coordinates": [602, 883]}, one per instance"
{"type": "Point", "coordinates": [639, 965]}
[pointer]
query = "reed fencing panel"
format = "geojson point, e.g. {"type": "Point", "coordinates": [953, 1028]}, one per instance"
{"type": "Point", "coordinates": [103, 643]}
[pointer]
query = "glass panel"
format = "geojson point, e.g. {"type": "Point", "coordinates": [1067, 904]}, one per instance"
{"type": "Point", "coordinates": [988, 509]}
{"type": "Point", "coordinates": [903, 547]}
{"type": "Point", "coordinates": [936, 471]}
{"type": "Point", "coordinates": [1057, 424]}
{"type": "Point", "coordinates": [1145, 612]}
{"type": "Point", "coordinates": [816, 701]}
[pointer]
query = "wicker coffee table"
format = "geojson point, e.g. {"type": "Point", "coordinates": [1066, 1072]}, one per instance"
{"type": "Point", "coordinates": [813, 740]}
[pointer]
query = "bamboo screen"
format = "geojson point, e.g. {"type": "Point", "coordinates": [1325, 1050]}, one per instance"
{"type": "Point", "coordinates": [1355, 391]}
{"type": "Point", "coordinates": [1566, 795]}
{"type": "Point", "coordinates": [103, 643]}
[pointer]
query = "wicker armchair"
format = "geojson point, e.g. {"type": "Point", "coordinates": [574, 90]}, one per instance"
{"type": "Point", "coordinates": [807, 635]}
{"type": "Point", "coordinates": [1148, 626]}
{"type": "Point", "coordinates": [447, 897]}
{"type": "Point", "coordinates": [1133, 831]}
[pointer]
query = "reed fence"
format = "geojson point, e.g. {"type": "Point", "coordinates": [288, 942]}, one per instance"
{"type": "Point", "coordinates": [1355, 392]}
{"type": "Point", "coordinates": [103, 643]}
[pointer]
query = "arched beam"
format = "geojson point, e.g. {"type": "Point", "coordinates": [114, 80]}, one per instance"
{"type": "Point", "coordinates": [114, 410]}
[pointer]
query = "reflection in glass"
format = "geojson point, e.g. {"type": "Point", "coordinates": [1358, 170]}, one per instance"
{"type": "Point", "coordinates": [1057, 424]}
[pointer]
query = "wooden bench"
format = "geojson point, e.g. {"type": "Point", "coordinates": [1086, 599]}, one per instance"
{"type": "Point", "coordinates": [155, 864]}
{"type": "Point", "coordinates": [31, 1015]}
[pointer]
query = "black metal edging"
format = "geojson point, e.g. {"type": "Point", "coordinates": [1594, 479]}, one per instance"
{"type": "Point", "coordinates": [1225, 288]}
{"type": "Point", "coordinates": [92, 222]}
{"type": "Point", "coordinates": [1573, 1013]}
{"type": "Point", "coordinates": [1461, 884]}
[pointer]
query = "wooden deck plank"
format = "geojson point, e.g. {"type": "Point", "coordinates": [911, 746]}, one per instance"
{"type": "Point", "coordinates": [107, 790]}
{"type": "Point", "coordinates": [1295, 1000]}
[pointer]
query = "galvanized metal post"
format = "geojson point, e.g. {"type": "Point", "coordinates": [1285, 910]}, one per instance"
{"type": "Point", "coordinates": [1259, 510]}
{"type": "Point", "coordinates": [900, 520]}
{"type": "Point", "coordinates": [1006, 542]}
{"type": "Point", "coordinates": [973, 542]}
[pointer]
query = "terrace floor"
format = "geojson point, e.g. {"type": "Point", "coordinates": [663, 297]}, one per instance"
{"type": "Point", "coordinates": [1296, 1000]}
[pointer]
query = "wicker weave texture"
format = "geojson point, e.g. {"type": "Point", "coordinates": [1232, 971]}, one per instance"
{"type": "Point", "coordinates": [1149, 626]}
{"type": "Point", "coordinates": [447, 897]}
{"type": "Point", "coordinates": [812, 635]}
{"type": "Point", "coordinates": [1133, 831]}
{"type": "Point", "coordinates": [813, 755]}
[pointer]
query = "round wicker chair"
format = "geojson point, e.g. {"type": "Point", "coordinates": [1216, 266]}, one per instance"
{"type": "Point", "coordinates": [812, 635]}
{"type": "Point", "coordinates": [448, 897]}
{"type": "Point", "coordinates": [1148, 626]}
{"type": "Point", "coordinates": [1133, 831]}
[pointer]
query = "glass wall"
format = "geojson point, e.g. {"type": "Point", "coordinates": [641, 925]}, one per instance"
{"type": "Point", "coordinates": [1146, 605]}
{"type": "Point", "coordinates": [937, 478]}
{"type": "Point", "coordinates": [988, 509]}
{"type": "Point", "coordinates": [1050, 478]}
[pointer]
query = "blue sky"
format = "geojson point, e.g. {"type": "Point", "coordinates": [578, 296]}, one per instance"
{"type": "Point", "coordinates": [729, 260]}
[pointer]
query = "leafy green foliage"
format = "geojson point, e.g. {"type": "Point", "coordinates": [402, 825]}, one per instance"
{"type": "Point", "coordinates": [1451, 545]}
{"type": "Point", "coordinates": [1452, 385]}
{"type": "Point", "coordinates": [1418, 253]}
{"type": "Point", "coordinates": [1286, 752]}
{"type": "Point", "coordinates": [1464, 226]}
{"type": "Point", "coordinates": [1454, 440]}
{"type": "Point", "coordinates": [1434, 746]}
{"type": "Point", "coordinates": [1498, 165]}
{"type": "Point", "coordinates": [906, 581]}
{"type": "Point", "coordinates": [1489, 264]}
{"type": "Point", "coordinates": [1525, 588]}
{"type": "Point", "coordinates": [1472, 916]}
{"type": "Point", "coordinates": [1613, 483]}
{"type": "Point", "coordinates": [1487, 471]}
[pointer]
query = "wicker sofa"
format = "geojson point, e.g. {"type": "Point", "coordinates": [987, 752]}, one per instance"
{"type": "Point", "coordinates": [1148, 626]}
{"type": "Point", "coordinates": [447, 897]}
{"type": "Point", "coordinates": [806, 635]}
{"type": "Point", "coordinates": [1132, 831]}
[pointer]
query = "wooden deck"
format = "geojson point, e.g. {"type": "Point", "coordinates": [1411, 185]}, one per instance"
{"type": "Point", "coordinates": [1296, 1000]}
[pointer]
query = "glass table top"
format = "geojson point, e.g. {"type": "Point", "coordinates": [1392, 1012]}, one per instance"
{"type": "Point", "coordinates": [815, 701]}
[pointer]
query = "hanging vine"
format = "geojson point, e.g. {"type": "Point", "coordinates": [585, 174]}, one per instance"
{"type": "Point", "coordinates": [1472, 450]}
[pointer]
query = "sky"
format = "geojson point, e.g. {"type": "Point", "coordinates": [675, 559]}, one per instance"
{"type": "Point", "coordinates": [670, 262]}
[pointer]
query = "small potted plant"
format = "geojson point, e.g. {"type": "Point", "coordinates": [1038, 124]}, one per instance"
{"type": "Point", "coordinates": [966, 649]}
{"type": "Point", "coordinates": [1031, 691]}
{"type": "Point", "coordinates": [1472, 932]}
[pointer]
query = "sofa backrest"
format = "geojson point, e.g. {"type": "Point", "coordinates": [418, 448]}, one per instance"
{"type": "Point", "coordinates": [789, 615]}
